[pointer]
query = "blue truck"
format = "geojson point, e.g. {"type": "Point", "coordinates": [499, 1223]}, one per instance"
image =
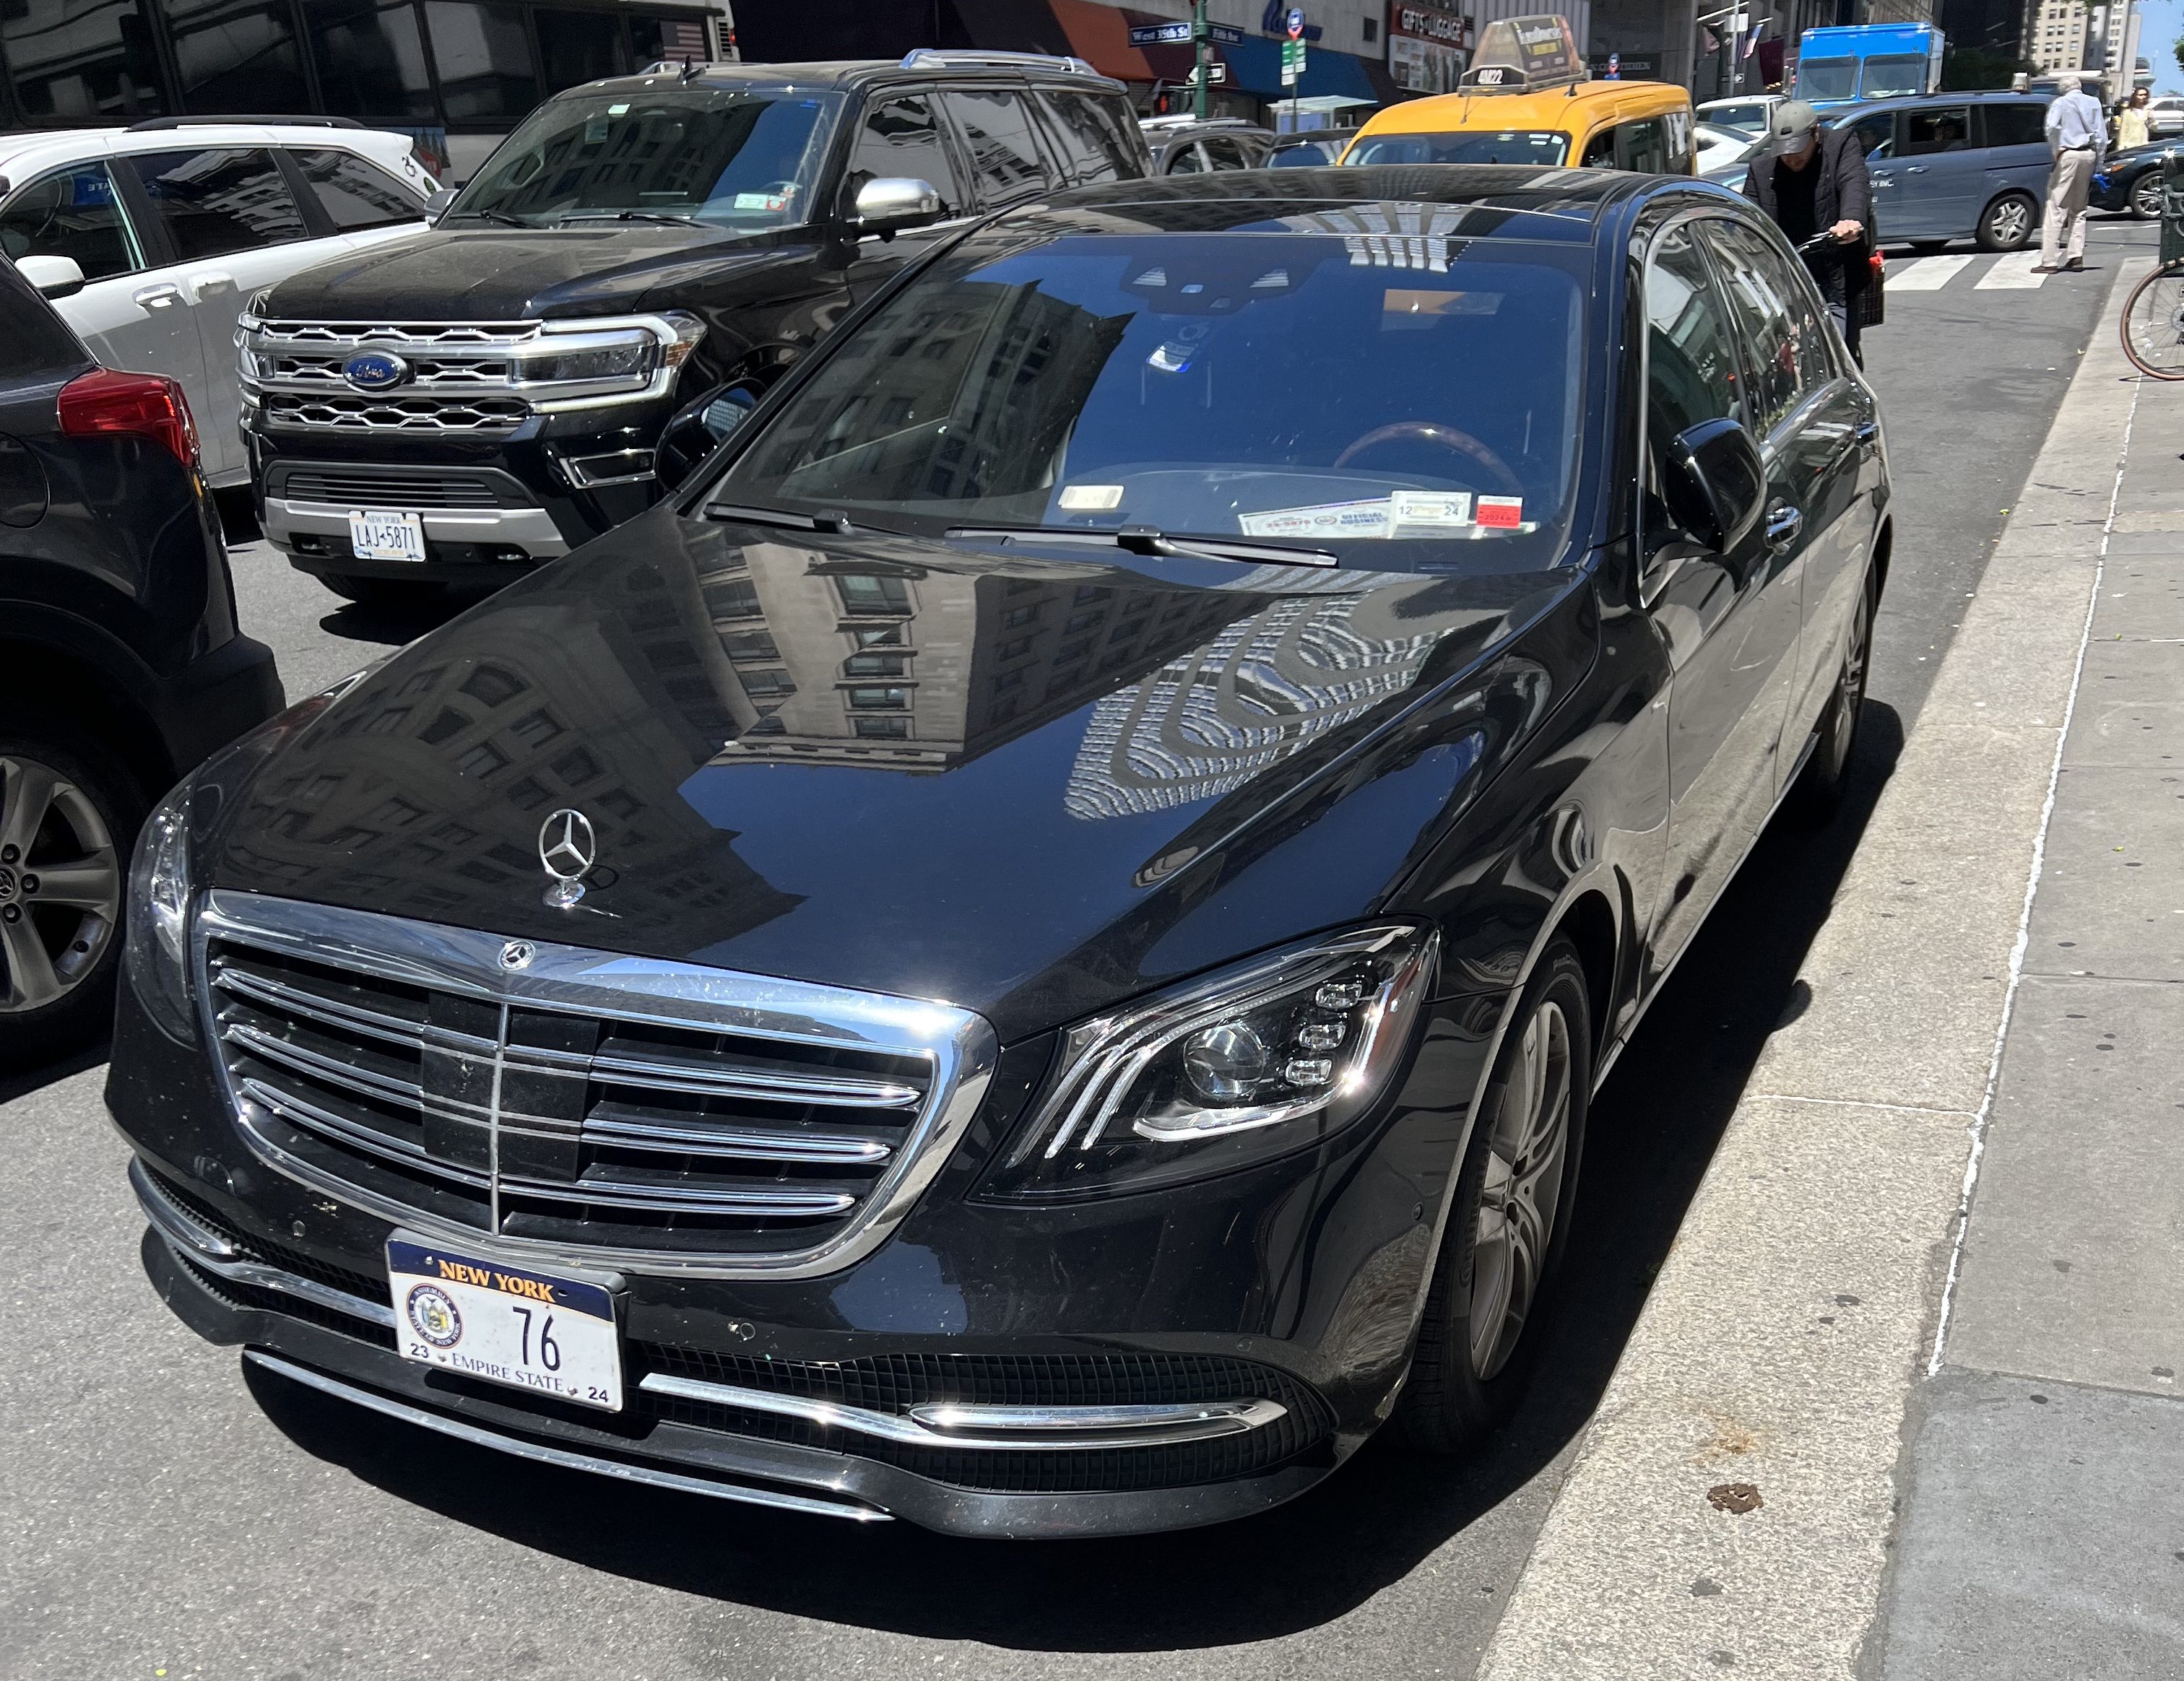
{"type": "Point", "coordinates": [1868, 61]}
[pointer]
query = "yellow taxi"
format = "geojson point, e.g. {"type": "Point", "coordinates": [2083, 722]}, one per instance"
{"type": "Point", "coordinates": [1525, 101]}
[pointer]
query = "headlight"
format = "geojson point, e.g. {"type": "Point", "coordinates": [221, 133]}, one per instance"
{"type": "Point", "coordinates": [157, 945]}
{"type": "Point", "coordinates": [1252, 1061]}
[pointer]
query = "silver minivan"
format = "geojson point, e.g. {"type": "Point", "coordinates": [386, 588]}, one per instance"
{"type": "Point", "coordinates": [150, 239]}
{"type": "Point", "coordinates": [1948, 166]}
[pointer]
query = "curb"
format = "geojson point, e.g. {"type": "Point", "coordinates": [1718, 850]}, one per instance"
{"type": "Point", "coordinates": [1802, 1301]}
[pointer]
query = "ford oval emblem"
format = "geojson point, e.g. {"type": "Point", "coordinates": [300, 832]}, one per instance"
{"type": "Point", "coordinates": [374, 370]}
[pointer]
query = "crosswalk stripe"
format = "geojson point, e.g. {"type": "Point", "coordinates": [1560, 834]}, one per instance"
{"type": "Point", "coordinates": [2013, 273]}
{"type": "Point", "coordinates": [1925, 274]}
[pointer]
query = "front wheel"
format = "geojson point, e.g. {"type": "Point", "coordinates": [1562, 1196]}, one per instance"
{"type": "Point", "coordinates": [1510, 1222]}
{"type": "Point", "coordinates": [2153, 324]}
{"type": "Point", "coordinates": [1820, 793]}
{"type": "Point", "coordinates": [2008, 223]}
{"type": "Point", "coordinates": [2146, 197]}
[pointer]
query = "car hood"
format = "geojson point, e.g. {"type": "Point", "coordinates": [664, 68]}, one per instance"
{"type": "Point", "coordinates": [1087, 778]}
{"type": "Point", "coordinates": [475, 274]}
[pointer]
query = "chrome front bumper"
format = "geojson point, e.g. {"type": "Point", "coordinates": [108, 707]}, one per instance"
{"type": "Point", "coordinates": [532, 530]}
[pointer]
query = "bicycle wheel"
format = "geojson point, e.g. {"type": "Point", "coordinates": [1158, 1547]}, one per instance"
{"type": "Point", "coordinates": [2153, 324]}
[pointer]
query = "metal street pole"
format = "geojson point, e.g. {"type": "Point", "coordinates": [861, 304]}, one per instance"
{"type": "Point", "coordinates": [1201, 40]}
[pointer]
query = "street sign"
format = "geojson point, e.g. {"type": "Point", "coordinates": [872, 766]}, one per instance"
{"type": "Point", "coordinates": [1217, 73]}
{"type": "Point", "coordinates": [1292, 63]}
{"type": "Point", "coordinates": [1178, 35]}
{"type": "Point", "coordinates": [1295, 24]}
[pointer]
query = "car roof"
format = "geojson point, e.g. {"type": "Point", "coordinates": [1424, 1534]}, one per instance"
{"type": "Point", "coordinates": [47, 148]}
{"type": "Point", "coordinates": [1522, 202]}
{"type": "Point", "coordinates": [1593, 101]}
{"type": "Point", "coordinates": [1914, 101]}
{"type": "Point", "coordinates": [851, 74]}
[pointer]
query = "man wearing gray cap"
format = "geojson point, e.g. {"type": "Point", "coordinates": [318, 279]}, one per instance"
{"type": "Point", "coordinates": [1810, 182]}
{"type": "Point", "coordinates": [2077, 135]}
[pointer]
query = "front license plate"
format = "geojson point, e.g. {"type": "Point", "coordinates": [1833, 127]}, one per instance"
{"type": "Point", "coordinates": [379, 535]}
{"type": "Point", "coordinates": [539, 1331]}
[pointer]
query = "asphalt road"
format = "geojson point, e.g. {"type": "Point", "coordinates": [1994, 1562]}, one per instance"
{"type": "Point", "coordinates": [162, 1516]}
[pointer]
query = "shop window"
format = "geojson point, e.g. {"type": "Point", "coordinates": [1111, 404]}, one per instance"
{"type": "Point", "coordinates": [578, 47]}
{"type": "Point", "coordinates": [237, 55]}
{"type": "Point", "coordinates": [76, 63]}
{"type": "Point", "coordinates": [483, 53]}
{"type": "Point", "coordinates": [370, 59]}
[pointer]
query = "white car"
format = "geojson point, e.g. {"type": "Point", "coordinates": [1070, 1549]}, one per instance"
{"type": "Point", "coordinates": [2165, 117]}
{"type": "Point", "coordinates": [1747, 113]}
{"type": "Point", "coordinates": [1719, 148]}
{"type": "Point", "coordinates": [149, 240]}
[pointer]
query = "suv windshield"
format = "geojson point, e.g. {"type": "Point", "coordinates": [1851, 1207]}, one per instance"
{"type": "Point", "coordinates": [742, 158]}
{"type": "Point", "coordinates": [1826, 78]}
{"type": "Point", "coordinates": [1390, 397]}
{"type": "Point", "coordinates": [1542, 147]}
{"type": "Point", "coordinates": [1891, 76]}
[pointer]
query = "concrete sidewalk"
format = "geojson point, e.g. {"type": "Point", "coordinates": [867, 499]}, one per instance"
{"type": "Point", "coordinates": [1961, 1450]}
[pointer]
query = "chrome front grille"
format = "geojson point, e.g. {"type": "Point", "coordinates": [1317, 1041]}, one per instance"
{"type": "Point", "coordinates": [481, 417]}
{"type": "Point", "coordinates": [385, 490]}
{"type": "Point", "coordinates": [609, 1109]}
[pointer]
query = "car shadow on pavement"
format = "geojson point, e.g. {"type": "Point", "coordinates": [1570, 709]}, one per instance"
{"type": "Point", "coordinates": [16, 1083]}
{"type": "Point", "coordinates": [1654, 1130]}
{"type": "Point", "coordinates": [397, 624]}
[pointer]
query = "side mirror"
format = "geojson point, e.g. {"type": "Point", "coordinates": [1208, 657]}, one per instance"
{"type": "Point", "coordinates": [436, 205]}
{"type": "Point", "coordinates": [54, 276]}
{"type": "Point", "coordinates": [886, 203]}
{"type": "Point", "coordinates": [1716, 484]}
{"type": "Point", "coordinates": [699, 430]}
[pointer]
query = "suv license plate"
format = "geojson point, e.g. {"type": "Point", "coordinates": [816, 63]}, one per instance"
{"type": "Point", "coordinates": [539, 1331]}
{"type": "Point", "coordinates": [379, 535]}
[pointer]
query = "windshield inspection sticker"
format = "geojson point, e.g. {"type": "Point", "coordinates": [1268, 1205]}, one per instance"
{"type": "Point", "coordinates": [1090, 498]}
{"type": "Point", "coordinates": [1502, 511]}
{"type": "Point", "coordinates": [1431, 507]}
{"type": "Point", "coordinates": [761, 200]}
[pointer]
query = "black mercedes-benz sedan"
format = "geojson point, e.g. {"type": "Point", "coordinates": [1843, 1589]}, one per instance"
{"type": "Point", "coordinates": [1030, 954]}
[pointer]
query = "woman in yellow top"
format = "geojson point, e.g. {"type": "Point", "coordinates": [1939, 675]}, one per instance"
{"type": "Point", "coordinates": [2131, 121]}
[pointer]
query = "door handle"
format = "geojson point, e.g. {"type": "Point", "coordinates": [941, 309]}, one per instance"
{"type": "Point", "coordinates": [156, 297]}
{"type": "Point", "coordinates": [1914, 170]}
{"type": "Point", "coordinates": [1783, 522]}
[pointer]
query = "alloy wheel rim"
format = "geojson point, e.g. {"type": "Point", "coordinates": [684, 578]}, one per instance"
{"type": "Point", "coordinates": [1850, 695]}
{"type": "Point", "coordinates": [1522, 1191]}
{"type": "Point", "coordinates": [2009, 221]}
{"type": "Point", "coordinates": [2146, 197]}
{"type": "Point", "coordinates": [60, 886]}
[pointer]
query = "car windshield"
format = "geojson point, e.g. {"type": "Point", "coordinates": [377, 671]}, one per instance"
{"type": "Point", "coordinates": [1827, 78]}
{"type": "Point", "coordinates": [1406, 396]}
{"type": "Point", "coordinates": [1540, 148]}
{"type": "Point", "coordinates": [742, 158]}
{"type": "Point", "coordinates": [1304, 154]}
{"type": "Point", "coordinates": [1894, 75]}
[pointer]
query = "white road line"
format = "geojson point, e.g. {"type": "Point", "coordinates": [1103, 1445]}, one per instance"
{"type": "Point", "coordinates": [2013, 273]}
{"type": "Point", "coordinates": [1925, 274]}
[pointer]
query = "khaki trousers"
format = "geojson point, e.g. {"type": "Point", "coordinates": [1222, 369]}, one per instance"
{"type": "Point", "coordinates": [2068, 186]}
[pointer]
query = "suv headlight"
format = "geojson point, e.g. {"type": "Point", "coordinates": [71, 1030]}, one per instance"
{"type": "Point", "coordinates": [1253, 1061]}
{"type": "Point", "coordinates": [634, 353]}
{"type": "Point", "coordinates": [157, 948]}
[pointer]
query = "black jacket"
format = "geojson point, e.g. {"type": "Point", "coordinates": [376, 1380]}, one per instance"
{"type": "Point", "coordinates": [1843, 193]}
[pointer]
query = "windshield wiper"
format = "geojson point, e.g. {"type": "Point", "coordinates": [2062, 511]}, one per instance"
{"type": "Point", "coordinates": [1146, 540]}
{"type": "Point", "coordinates": [628, 216]}
{"type": "Point", "coordinates": [745, 514]}
{"type": "Point", "coordinates": [500, 216]}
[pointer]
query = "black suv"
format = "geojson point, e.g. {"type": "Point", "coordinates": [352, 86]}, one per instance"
{"type": "Point", "coordinates": [120, 664]}
{"type": "Point", "coordinates": [610, 295]}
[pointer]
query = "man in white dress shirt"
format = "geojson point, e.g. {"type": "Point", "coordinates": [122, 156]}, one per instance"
{"type": "Point", "coordinates": [2077, 134]}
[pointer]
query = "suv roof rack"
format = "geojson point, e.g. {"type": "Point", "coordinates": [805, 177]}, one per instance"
{"type": "Point", "coordinates": [246, 121]}
{"type": "Point", "coordinates": [952, 58]}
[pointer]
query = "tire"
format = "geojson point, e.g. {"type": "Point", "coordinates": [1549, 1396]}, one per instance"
{"type": "Point", "coordinates": [1472, 1354]}
{"type": "Point", "coordinates": [67, 803]}
{"type": "Point", "coordinates": [1820, 792]}
{"type": "Point", "coordinates": [2153, 324]}
{"type": "Point", "coordinates": [379, 591]}
{"type": "Point", "coordinates": [2009, 223]}
{"type": "Point", "coordinates": [2146, 197]}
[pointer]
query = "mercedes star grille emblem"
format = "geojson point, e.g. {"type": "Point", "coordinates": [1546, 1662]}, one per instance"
{"type": "Point", "coordinates": [517, 954]}
{"type": "Point", "coordinates": [568, 850]}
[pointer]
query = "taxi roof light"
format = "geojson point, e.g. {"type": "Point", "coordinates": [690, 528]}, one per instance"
{"type": "Point", "coordinates": [1525, 55]}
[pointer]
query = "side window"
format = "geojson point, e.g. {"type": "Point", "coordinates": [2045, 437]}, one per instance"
{"type": "Point", "coordinates": [1091, 132]}
{"type": "Point", "coordinates": [996, 124]}
{"type": "Point", "coordinates": [1184, 160]}
{"type": "Point", "coordinates": [903, 136]}
{"type": "Point", "coordinates": [1644, 146]}
{"type": "Point", "coordinates": [1691, 362]}
{"type": "Point", "coordinates": [215, 202]}
{"type": "Point", "coordinates": [1876, 136]}
{"type": "Point", "coordinates": [2016, 124]}
{"type": "Point", "coordinates": [356, 194]}
{"type": "Point", "coordinates": [1678, 126]}
{"type": "Point", "coordinates": [1223, 154]}
{"type": "Point", "coordinates": [1948, 129]}
{"type": "Point", "coordinates": [1599, 151]}
{"type": "Point", "coordinates": [1790, 356]}
{"type": "Point", "coordinates": [73, 214]}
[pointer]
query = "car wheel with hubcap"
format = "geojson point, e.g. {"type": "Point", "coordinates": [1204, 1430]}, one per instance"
{"type": "Point", "coordinates": [69, 809]}
{"type": "Point", "coordinates": [1509, 1224]}
{"type": "Point", "coordinates": [2008, 223]}
{"type": "Point", "coordinates": [2146, 197]}
{"type": "Point", "coordinates": [1820, 792]}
